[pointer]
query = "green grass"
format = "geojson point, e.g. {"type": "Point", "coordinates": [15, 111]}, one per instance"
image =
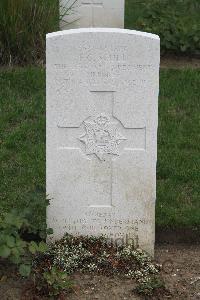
{"type": "Point", "coordinates": [22, 140]}
{"type": "Point", "coordinates": [178, 170]}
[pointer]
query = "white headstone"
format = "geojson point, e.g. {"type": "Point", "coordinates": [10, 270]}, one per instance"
{"type": "Point", "coordinates": [102, 117]}
{"type": "Point", "coordinates": [92, 13]}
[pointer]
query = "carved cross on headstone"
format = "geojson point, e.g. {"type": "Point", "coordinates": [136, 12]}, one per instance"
{"type": "Point", "coordinates": [93, 5]}
{"type": "Point", "coordinates": [102, 138]}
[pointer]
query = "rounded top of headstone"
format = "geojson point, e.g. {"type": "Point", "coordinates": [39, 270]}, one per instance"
{"type": "Point", "coordinates": [103, 30]}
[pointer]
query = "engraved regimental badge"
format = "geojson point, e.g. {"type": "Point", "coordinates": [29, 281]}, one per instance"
{"type": "Point", "coordinates": [101, 136]}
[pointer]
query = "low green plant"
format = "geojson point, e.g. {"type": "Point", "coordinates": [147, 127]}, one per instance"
{"type": "Point", "coordinates": [177, 23]}
{"type": "Point", "coordinates": [22, 253]}
{"type": "Point", "coordinates": [57, 281]}
{"type": "Point", "coordinates": [148, 285]}
{"type": "Point", "coordinates": [13, 247]}
{"type": "Point", "coordinates": [36, 205]}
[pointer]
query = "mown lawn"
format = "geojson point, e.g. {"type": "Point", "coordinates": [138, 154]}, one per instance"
{"type": "Point", "coordinates": [22, 138]}
{"type": "Point", "coordinates": [22, 141]}
{"type": "Point", "coordinates": [178, 169]}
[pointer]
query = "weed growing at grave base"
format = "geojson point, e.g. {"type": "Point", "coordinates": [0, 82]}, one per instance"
{"type": "Point", "coordinates": [150, 285]}
{"type": "Point", "coordinates": [51, 282]}
{"type": "Point", "coordinates": [13, 247]}
{"type": "Point", "coordinates": [22, 151]}
{"type": "Point", "coordinates": [95, 255]}
{"type": "Point", "coordinates": [20, 252]}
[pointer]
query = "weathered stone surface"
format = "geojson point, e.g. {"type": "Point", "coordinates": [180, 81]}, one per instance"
{"type": "Point", "coordinates": [102, 116]}
{"type": "Point", "coordinates": [92, 13]}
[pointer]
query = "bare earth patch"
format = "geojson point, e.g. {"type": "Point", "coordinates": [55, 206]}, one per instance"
{"type": "Point", "coordinates": [181, 270]}
{"type": "Point", "coordinates": [181, 273]}
{"type": "Point", "coordinates": [178, 62]}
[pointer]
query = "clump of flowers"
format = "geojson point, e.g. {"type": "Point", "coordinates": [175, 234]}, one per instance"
{"type": "Point", "coordinates": [69, 255]}
{"type": "Point", "coordinates": [92, 254]}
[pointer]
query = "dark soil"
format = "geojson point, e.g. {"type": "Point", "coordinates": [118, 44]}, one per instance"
{"type": "Point", "coordinates": [181, 273]}
{"type": "Point", "coordinates": [181, 269]}
{"type": "Point", "coordinates": [178, 235]}
{"type": "Point", "coordinates": [179, 62]}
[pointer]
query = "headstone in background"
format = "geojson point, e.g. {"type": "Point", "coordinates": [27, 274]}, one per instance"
{"type": "Point", "coordinates": [92, 13]}
{"type": "Point", "coordinates": [102, 117]}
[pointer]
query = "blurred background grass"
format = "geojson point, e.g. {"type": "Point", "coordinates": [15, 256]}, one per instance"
{"type": "Point", "coordinates": [24, 24]}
